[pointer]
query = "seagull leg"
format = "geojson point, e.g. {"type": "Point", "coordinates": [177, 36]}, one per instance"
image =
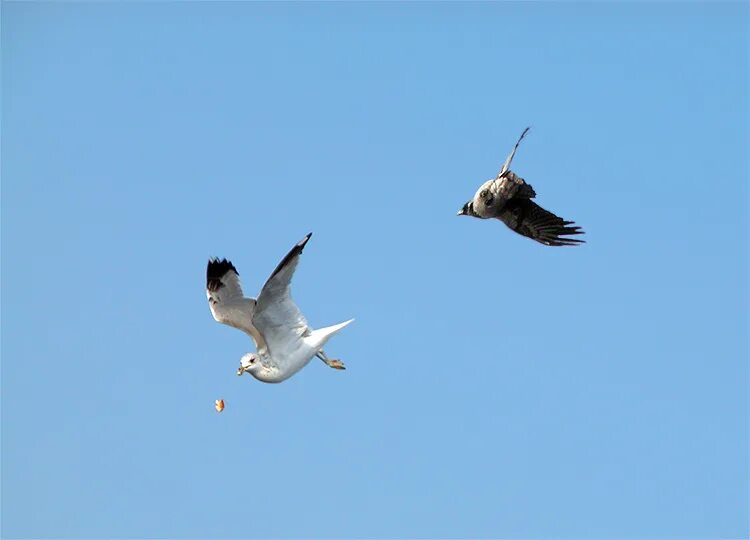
{"type": "Point", "coordinates": [330, 362]}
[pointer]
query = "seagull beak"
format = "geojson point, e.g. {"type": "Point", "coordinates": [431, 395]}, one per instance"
{"type": "Point", "coordinates": [240, 371]}
{"type": "Point", "coordinates": [464, 210]}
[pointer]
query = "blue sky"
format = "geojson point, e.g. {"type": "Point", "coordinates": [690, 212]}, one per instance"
{"type": "Point", "coordinates": [495, 387]}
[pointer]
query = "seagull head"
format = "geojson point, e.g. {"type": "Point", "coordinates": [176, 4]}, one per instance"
{"type": "Point", "coordinates": [467, 210]}
{"type": "Point", "coordinates": [248, 363]}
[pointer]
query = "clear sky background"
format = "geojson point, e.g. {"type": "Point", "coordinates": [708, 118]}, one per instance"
{"type": "Point", "coordinates": [495, 387]}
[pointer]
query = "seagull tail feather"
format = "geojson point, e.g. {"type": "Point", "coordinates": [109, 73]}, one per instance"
{"type": "Point", "coordinates": [322, 335]}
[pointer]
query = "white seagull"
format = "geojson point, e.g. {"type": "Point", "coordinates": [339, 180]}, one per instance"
{"type": "Point", "coordinates": [284, 341]}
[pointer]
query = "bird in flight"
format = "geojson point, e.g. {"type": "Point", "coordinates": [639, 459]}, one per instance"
{"type": "Point", "coordinates": [284, 342]}
{"type": "Point", "coordinates": [508, 198]}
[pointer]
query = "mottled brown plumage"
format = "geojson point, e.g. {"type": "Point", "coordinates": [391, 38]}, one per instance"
{"type": "Point", "coordinates": [508, 198]}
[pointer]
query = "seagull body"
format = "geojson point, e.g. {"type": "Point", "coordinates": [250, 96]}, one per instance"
{"type": "Point", "coordinates": [284, 342]}
{"type": "Point", "coordinates": [507, 197]}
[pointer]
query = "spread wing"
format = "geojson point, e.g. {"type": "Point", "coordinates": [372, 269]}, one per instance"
{"type": "Point", "coordinates": [509, 159]}
{"type": "Point", "coordinates": [529, 219]}
{"type": "Point", "coordinates": [276, 315]}
{"type": "Point", "coordinates": [228, 304]}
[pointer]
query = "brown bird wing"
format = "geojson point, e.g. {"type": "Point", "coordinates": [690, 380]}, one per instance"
{"type": "Point", "coordinates": [511, 185]}
{"type": "Point", "coordinates": [529, 219]}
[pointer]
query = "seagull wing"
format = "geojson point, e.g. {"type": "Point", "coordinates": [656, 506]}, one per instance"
{"type": "Point", "coordinates": [276, 315]}
{"type": "Point", "coordinates": [228, 304]}
{"type": "Point", "coordinates": [529, 219]}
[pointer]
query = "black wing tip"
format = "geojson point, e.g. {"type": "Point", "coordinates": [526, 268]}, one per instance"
{"type": "Point", "coordinates": [217, 269]}
{"type": "Point", "coordinates": [294, 252]}
{"type": "Point", "coordinates": [301, 243]}
{"type": "Point", "coordinates": [297, 249]}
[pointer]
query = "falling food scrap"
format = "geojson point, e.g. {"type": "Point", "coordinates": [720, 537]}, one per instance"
{"type": "Point", "coordinates": [219, 405]}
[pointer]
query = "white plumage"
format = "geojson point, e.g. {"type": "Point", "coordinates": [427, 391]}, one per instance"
{"type": "Point", "coordinates": [284, 341]}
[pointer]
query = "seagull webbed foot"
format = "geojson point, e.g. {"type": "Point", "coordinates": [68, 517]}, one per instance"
{"type": "Point", "coordinates": [332, 363]}
{"type": "Point", "coordinates": [335, 363]}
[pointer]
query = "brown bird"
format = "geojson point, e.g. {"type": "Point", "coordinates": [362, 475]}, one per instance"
{"type": "Point", "coordinates": [508, 198]}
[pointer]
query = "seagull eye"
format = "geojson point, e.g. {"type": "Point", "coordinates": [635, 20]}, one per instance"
{"type": "Point", "coordinates": [486, 196]}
